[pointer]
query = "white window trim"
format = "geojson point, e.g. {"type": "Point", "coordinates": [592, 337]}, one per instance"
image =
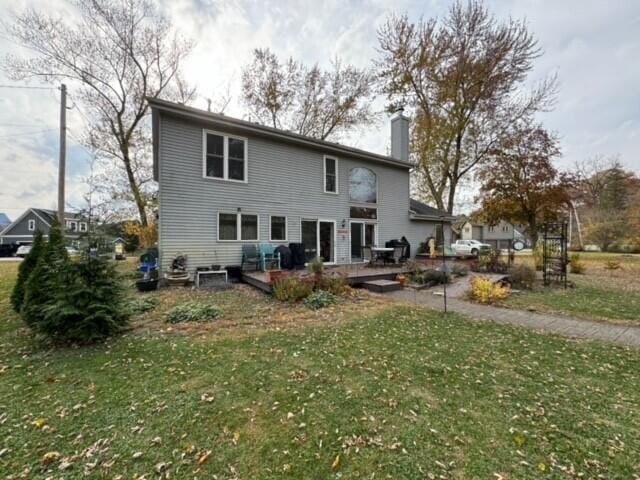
{"type": "Point", "coordinates": [31, 225]}
{"type": "Point", "coordinates": [225, 156]}
{"type": "Point", "coordinates": [335, 236]}
{"type": "Point", "coordinates": [238, 227]}
{"type": "Point", "coordinates": [82, 227]}
{"type": "Point", "coordinates": [286, 229]}
{"type": "Point", "coordinates": [375, 234]}
{"type": "Point", "coordinates": [324, 175]}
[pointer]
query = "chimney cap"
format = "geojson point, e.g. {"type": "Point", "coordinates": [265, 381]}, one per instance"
{"type": "Point", "coordinates": [399, 113]}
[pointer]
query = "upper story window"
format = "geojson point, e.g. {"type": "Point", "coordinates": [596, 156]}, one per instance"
{"type": "Point", "coordinates": [363, 186]}
{"type": "Point", "coordinates": [32, 225]}
{"type": "Point", "coordinates": [72, 225]}
{"type": "Point", "coordinates": [225, 157]}
{"type": "Point", "coordinates": [83, 226]}
{"type": "Point", "coordinates": [330, 175]}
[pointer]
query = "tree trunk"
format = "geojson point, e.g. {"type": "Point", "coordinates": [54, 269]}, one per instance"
{"type": "Point", "coordinates": [533, 232]}
{"type": "Point", "coordinates": [135, 189]}
{"type": "Point", "coordinates": [452, 196]}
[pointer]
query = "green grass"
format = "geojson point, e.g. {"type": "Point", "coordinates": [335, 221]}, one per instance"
{"type": "Point", "coordinates": [585, 301]}
{"type": "Point", "coordinates": [403, 393]}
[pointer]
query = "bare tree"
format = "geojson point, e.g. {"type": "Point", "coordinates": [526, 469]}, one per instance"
{"type": "Point", "coordinates": [307, 100]}
{"type": "Point", "coordinates": [119, 52]}
{"type": "Point", "coordinates": [462, 79]}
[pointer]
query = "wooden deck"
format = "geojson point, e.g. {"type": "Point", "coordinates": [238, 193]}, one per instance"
{"type": "Point", "coordinates": [356, 274]}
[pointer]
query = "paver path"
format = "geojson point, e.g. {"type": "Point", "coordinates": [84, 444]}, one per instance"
{"type": "Point", "coordinates": [544, 322]}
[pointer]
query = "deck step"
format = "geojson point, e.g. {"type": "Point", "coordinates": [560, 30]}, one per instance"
{"type": "Point", "coordinates": [382, 286]}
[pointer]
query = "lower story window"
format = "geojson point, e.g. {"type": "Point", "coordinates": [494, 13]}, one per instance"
{"type": "Point", "coordinates": [237, 226]}
{"type": "Point", "coordinates": [278, 229]}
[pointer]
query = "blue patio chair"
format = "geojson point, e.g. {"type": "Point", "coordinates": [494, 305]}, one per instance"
{"type": "Point", "coordinates": [268, 255]}
{"type": "Point", "coordinates": [250, 256]}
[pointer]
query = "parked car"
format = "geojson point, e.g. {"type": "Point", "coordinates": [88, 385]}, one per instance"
{"type": "Point", "coordinates": [23, 251]}
{"type": "Point", "coordinates": [73, 252]}
{"type": "Point", "coordinates": [470, 247]}
{"type": "Point", "coordinates": [8, 250]}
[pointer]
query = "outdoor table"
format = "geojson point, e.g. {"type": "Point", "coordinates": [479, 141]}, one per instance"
{"type": "Point", "coordinates": [382, 253]}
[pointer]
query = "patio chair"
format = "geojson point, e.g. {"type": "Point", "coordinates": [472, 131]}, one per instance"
{"type": "Point", "coordinates": [367, 255]}
{"type": "Point", "coordinates": [397, 255]}
{"type": "Point", "coordinates": [268, 255]}
{"type": "Point", "coordinates": [250, 256]}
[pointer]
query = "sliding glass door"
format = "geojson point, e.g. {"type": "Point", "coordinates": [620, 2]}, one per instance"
{"type": "Point", "coordinates": [319, 239]}
{"type": "Point", "coordinates": [362, 234]}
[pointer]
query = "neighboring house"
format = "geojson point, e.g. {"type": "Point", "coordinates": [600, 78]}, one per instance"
{"type": "Point", "coordinates": [23, 229]}
{"type": "Point", "coordinates": [4, 221]}
{"type": "Point", "coordinates": [225, 182]}
{"type": "Point", "coordinates": [498, 236]}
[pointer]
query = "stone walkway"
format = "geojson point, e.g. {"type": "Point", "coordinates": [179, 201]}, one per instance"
{"type": "Point", "coordinates": [543, 322]}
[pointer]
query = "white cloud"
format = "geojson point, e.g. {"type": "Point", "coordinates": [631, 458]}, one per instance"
{"type": "Point", "coordinates": [592, 45]}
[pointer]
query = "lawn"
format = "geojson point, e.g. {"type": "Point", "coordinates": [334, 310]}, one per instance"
{"type": "Point", "coordinates": [597, 294]}
{"type": "Point", "coordinates": [390, 392]}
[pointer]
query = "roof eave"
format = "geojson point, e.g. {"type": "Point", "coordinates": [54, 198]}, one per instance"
{"type": "Point", "coordinates": [196, 114]}
{"type": "Point", "coordinates": [436, 218]}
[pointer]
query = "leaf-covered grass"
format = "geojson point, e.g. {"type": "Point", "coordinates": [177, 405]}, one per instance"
{"type": "Point", "coordinates": [598, 294]}
{"type": "Point", "coordinates": [585, 300]}
{"type": "Point", "coordinates": [402, 393]}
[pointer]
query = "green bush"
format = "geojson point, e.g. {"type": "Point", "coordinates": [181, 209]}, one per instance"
{"type": "Point", "coordinates": [316, 266]}
{"type": "Point", "coordinates": [335, 284]}
{"type": "Point", "coordinates": [431, 277]}
{"type": "Point", "coordinates": [192, 311]}
{"type": "Point", "coordinates": [24, 271]}
{"type": "Point", "coordinates": [89, 307]}
{"type": "Point", "coordinates": [141, 304]}
{"type": "Point", "coordinates": [460, 270]}
{"type": "Point", "coordinates": [490, 262]}
{"type": "Point", "coordinates": [575, 265]}
{"type": "Point", "coordinates": [291, 289]}
{"type": "Point", "coordinates": [319, 299]}
{"type": "Point", "coordinates": [46, 280]}
{"type": "Point", "coordinates": [522, 276]}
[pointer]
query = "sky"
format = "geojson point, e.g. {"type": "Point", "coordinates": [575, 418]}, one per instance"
{"type": "Point", "coordinates": [592, 45]}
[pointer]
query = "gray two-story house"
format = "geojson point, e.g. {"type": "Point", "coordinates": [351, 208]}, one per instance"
{"type": "Point", "coordinates": [224, 182]}
{"type": "Point", "coordinates": [23, 229]}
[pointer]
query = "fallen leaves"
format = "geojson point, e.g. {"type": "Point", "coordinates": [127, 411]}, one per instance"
{"type": "Point", "coordinates": [39, 422]}
{"type": "Point", "coordinates": [336, 462]}
{"type": "Point", "coordinates": [204, 456]}
{"type": "Point", "coordinates": [50, 457]}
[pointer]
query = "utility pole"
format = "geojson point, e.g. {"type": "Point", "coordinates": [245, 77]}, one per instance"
{"type": "Point", "coordinates": [62, 165]}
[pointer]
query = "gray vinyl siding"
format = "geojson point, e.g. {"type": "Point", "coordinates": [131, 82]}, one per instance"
{"type": "Point", "coordinates": [22, 227]}
{"type": "Point", "coordinates": [283, 180]}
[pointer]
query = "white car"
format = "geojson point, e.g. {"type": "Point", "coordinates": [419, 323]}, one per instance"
{"type": "Point", "coordinates": [73, 252]}
{"type": "Point", "coordinates": [23, 251]}
{"type": "Point", "coordinates": [470, 247]}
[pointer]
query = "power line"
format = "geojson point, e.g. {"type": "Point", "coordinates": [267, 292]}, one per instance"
{"type": "Point", "coordinates": [28, 87]}
{"type": "Point", "coordinates": [27, 133]}
{"type": "Point", "coordinates": [20, 125]}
